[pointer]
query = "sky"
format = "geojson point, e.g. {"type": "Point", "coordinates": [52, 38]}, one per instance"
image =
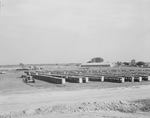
{"type": "Point", "coordinates": [74, 31]}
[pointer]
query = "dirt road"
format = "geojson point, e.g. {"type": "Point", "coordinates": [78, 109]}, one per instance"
{"type": "Point", "coordinates": [29, 101]}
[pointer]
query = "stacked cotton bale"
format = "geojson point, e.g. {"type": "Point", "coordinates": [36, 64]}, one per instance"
{"type": "Point", "coordinates": [85, 79]}
{"type": "Point", "coordinates": [102, 78]}
{"type": "Point", "coordinates": [122, 79]}
{"type": "Point", "coordinates": [137, 78]}
{"type": "Point", "coordinates": [57, 75]}
{"type": "Point", "coordinates": [114, 79]}
{"type": "Point", "coordinates": [129, 78]}
{"type": "Point", "coordinates": [31, 73]}
{"type": "Point", "coordinates": [146, 77]}
{"type": "Point", "coordinates": [75, 79]}
{"type": "Point", "coordinates": [51, 79]}
{"type": "Point", "coordinates": [96, 78]}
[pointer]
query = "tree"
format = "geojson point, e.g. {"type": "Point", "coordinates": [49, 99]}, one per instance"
{"type": "Point", "coordinates": [126, 63]}
{"type": "Point", "coordinates": [119, 63]}
{"type": "Point", "coordinates": [96, 60]}
{"type": "Point", "coordinates": [140, 63]}
{"type": "Point", "coordinates": [35, 67]}
{"type": "Point", "coordinates": [89, 62]}
{"type": "Point", "coordinates": [22, 65]}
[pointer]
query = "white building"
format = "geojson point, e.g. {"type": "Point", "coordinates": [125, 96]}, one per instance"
{"type": "Point", "coordinates": [103, 64]}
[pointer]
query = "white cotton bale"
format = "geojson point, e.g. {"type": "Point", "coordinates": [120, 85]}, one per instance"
{"type": "Point", "coordinates": [102, 78]}
{"type": "Point", "coordinates": [122, 79]}
{"type": "Point", "coordinates": [80, 80]}
{"type": "Point", "coordinates": [148, 78]}
{"type": "Point", "coordinates": [132, 79]}
{"type": "Point", "coordinates": [140, 79]}
{"type": "Point", "coordinates": [86, 79]}
{"type": "Point", "coordinates": [63, 81]}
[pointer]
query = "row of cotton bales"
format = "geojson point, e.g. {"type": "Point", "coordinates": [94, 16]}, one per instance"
{"type": "Point", "coordinates": [81, 77]}
{"type": "Point", "coordinates": [59, 79]}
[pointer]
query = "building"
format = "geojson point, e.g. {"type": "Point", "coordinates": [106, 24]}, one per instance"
{"type": "Point", "coordinates": [147, 65]}
{"type": "Point", "coordinates": [133, 62]}
{"type": "Point", "coordinates": [103, 64]}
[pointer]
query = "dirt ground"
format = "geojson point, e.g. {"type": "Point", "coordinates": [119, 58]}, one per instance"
{"type": "Point", "coordinates": [93, 99]}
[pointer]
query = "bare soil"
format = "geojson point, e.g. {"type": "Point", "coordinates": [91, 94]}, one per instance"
{"type": "Point", "coordinates": [93, 99]}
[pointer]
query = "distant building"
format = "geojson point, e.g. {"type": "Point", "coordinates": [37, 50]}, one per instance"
{"type": "Point", "coordinates": [147, 65]}
{"type": "Point", "coordinates": [103, 64]}
{"type": "Point", "coordinates": [133, 62]}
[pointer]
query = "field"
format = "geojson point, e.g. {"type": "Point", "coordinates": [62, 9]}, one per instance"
{"type": "Point", "coordinates": [85, 100]}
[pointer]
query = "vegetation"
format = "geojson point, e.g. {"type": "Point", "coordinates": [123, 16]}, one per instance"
{"type": "Point", "coordinates": [126, 63]}
{"type": "Point", "coordinates": [119, 63]}
{"type": "Point", "coordinates": [22, 65]}
{"type": "Point", "coordinates": [96, 60]}
{"type": "Point", "coordinates": [140, 63]}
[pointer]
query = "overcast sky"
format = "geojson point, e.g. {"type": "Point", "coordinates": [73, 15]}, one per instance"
{"type": "Point", "coordinates": [65, 31]}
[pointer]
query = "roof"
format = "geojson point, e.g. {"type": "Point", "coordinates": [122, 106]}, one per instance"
{"type": "Point", "coordinates": [96, 64]}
